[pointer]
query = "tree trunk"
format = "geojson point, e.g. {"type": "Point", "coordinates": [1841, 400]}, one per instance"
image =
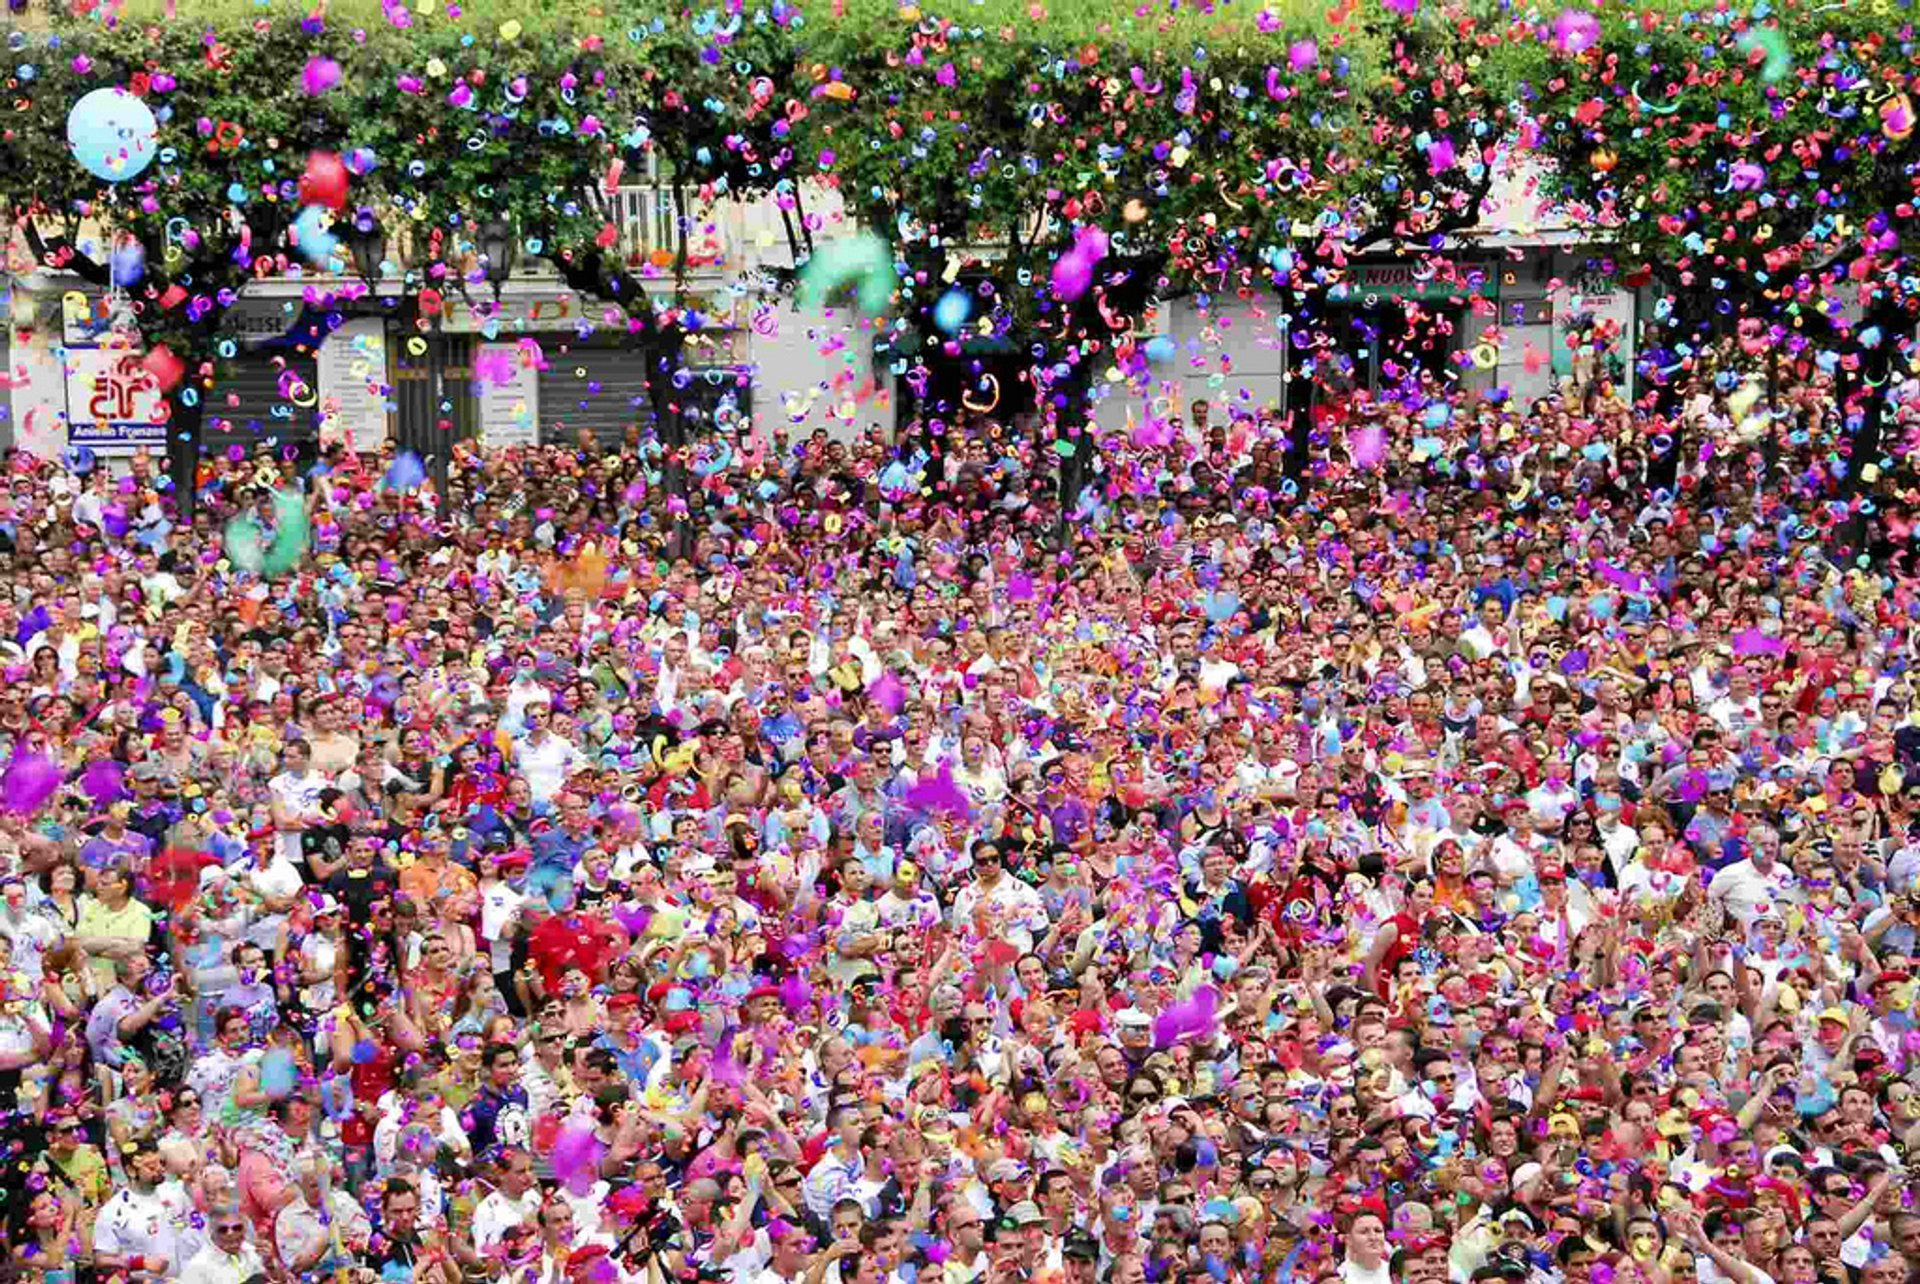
{"type": "Point", "coordinates": [1297, 401]}
{"type": "Point", "coordinates": [665, 349]}
{"type": "Point", "coordinates": [1077, 463]}
{"type": "Point", "coordinates": [183, 446]}
{"type": "Point", "coordinates": [1876, 369]}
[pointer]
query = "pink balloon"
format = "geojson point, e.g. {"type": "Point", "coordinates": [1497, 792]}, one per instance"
{"type": "Point", "coordinates": [1072, 274]}
{"type": "Point", "coordinates": [1575, 31]}
{"type": "Point", "coordinates": [319, 75]}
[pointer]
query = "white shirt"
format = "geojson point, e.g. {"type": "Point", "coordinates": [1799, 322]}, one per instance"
{"type": "Point", "coordinates": [298, 1230]}
{"type": "Point", "coordinates": [1746, 892]}
{"type": "Point", "coordinates": [498, 906]}
{"type": "Point", "coordinates": [1015, 911]}
{"type": "Point", "coordinates": [498, 1213]}
{"type": "Point", "coordinates": [546, 765]}
{"type": "Point", "coordinates": [279, 880]}
{"type": "Point", "coordinates": [147, 1225]}
{"type": "Point", "coordinates": [212, 1266]}
{"type": "Point", "coordinates": [301, 796]}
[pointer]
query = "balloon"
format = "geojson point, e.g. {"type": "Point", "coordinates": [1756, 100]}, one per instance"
{"type": "Point", "coordinates": [1072, 274]}
{"type": "Point", "coordinates": [1222, 606]}
{"type": "Point", "coordinates": [103, 781]}
{"type": "Point", "coordinates": [325, 182]}
{"type": "Point", "coordinates": [128, 264]}
{"type": "Point", "coordinates": [111, 134]}
{"type": "Point", "coordinates": [405, 472]}
{"type": "Point", "coordinates": [1161, 348]}
{"type": "Point", "coordinates": [1575, 31]}
{"type": "Point", "coordinates": [319, 75]}
{"type": "Point", "coordinates": [317, 245]}
{"type": "Point", "coordinates": [863, 261]}
{"type": "Point", "coordinates": [166, 368]}
{"type": "Point", "coordinates": [938, 792]}
{"type": "Point", "coordinates": [30, 780]}
{"type": "Point", "coordinates": [888, 692]}
{"type": "Point", "coordinates": [953, 310]}
{"type": "Point", "coordinates": [246, 542]}
{"type": "Point", "coordinates": [279, 1074]}
{"type": "Point", "coordinates": [576, 1159]}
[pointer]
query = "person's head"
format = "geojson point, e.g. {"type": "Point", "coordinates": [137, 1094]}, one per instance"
{"type": "Point", "coordinates": [513, 1169]}
{"type": "Point", "coordinates": [791, 1246]}
{"type": "Point", "coordinates": [228, 1229]}
{"type": "Point", "coordinates": [399, 1207]}
{"type": "Point", "coordinates": [966, 1228]}
{"type": "Point", "coordinates": [232, 1029]}
{"type": "Point", "coordinates": [1890, 1269]}
{"type": "Point", "coordinates": [146, 1167]}
{"type": "Point", "coordinates": [1366, 1239]}
{"type": "Point", "coordinates": [502, 1063]}
{"type": "Point", "coordinates": [846, 1220]}
{"type": "Point", "coordinates": [114, 887]}
{"type": "Point", "coordinates": [987, 861]}
{"type": "Point", "coordinates": [697, 1201]}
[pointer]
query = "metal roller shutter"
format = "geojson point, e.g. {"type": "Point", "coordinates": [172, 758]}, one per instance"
{"type": "Point", "coordinates": [413, 393]}
{"type": "Point", "coordinates": [263, 397]}
{"type": "Point", "coordinates": [592, 386]}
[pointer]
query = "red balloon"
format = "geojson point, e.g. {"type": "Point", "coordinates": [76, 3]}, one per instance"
{"type": "Point", "coordinates": [166, 368]}
{"type": "Point", "coordinates": [325, 182]}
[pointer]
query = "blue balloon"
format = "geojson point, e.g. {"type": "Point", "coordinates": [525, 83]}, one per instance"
{"type": "Point", "coordinates": [952, 311]}
{"type": "Point", "coordinates": [279, 1074]}
{"type": "Point", "coordinates": [1161, 348]}
{"type": "Point", "coordinates": [128, 263]}
{"type": "Point", "coordinates": [111, 134]}
{"type": "Point", "coordinates": [311, 237]}
{"type": "Point", "coordinates": [1222, 606]}
{"type": "Point", "coordinates": [405, 472]}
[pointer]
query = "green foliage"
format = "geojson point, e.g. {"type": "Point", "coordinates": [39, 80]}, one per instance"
{"type": "Point", "coordinates": [1745, 159]}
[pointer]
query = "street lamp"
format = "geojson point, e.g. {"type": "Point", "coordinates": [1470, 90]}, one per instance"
{"type": "Point", "coordinates": [367, 243]}
{"type": "Point", "coordinates": [498, 248]}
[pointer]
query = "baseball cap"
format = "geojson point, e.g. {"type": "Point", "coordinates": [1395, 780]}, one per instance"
{"type": "Point", "coordinates": [1024, 1213]}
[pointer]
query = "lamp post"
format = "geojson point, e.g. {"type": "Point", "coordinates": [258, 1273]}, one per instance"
{"type": "Point", "coordinates": [367, 243]}
{"type": "Point", "coordinates": [498, 247]}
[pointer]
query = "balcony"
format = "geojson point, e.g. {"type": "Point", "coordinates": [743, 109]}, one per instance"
{"type": "Point", "coordinates": [651, 231]}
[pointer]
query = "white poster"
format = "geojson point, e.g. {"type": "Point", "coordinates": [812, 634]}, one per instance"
{"type": "Point", "coordinates": [506, 378]}
{"type": "Point", "coordinates": [353, 385]}
{"type": "Point", "coordinates": [114, 403]}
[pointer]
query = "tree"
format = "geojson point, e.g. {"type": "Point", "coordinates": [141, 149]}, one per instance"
{"type": "Point", "coordinates": [211, 213]}
{"type": "Point", "coordinates": [1215, 151]}
{"type": "Point", "coordinates": [992, 145]}
{"type": "Point", "coordinates": [1764, 168]}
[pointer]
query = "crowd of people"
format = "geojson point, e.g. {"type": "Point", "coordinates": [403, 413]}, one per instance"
{"type": "Point", "coordinates": [1442, 850]}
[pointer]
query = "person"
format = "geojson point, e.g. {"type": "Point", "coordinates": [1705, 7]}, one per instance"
{"type": "Point", "coordinates": [514, 1200]}
{"type": "Point", "coordinates": [860, 875]}
{"type": "Point", "coordinates": [397, 1247]}
{"type": "Point", "coordinates": [139, 1228]}
{"type": "Point", "coordinates": [227, 1258]}
{"type": "Point", "coordinates": [321, 1222]}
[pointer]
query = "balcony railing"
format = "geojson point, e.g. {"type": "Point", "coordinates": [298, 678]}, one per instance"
{"type": "Point", "coordinates": [650, 228]}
